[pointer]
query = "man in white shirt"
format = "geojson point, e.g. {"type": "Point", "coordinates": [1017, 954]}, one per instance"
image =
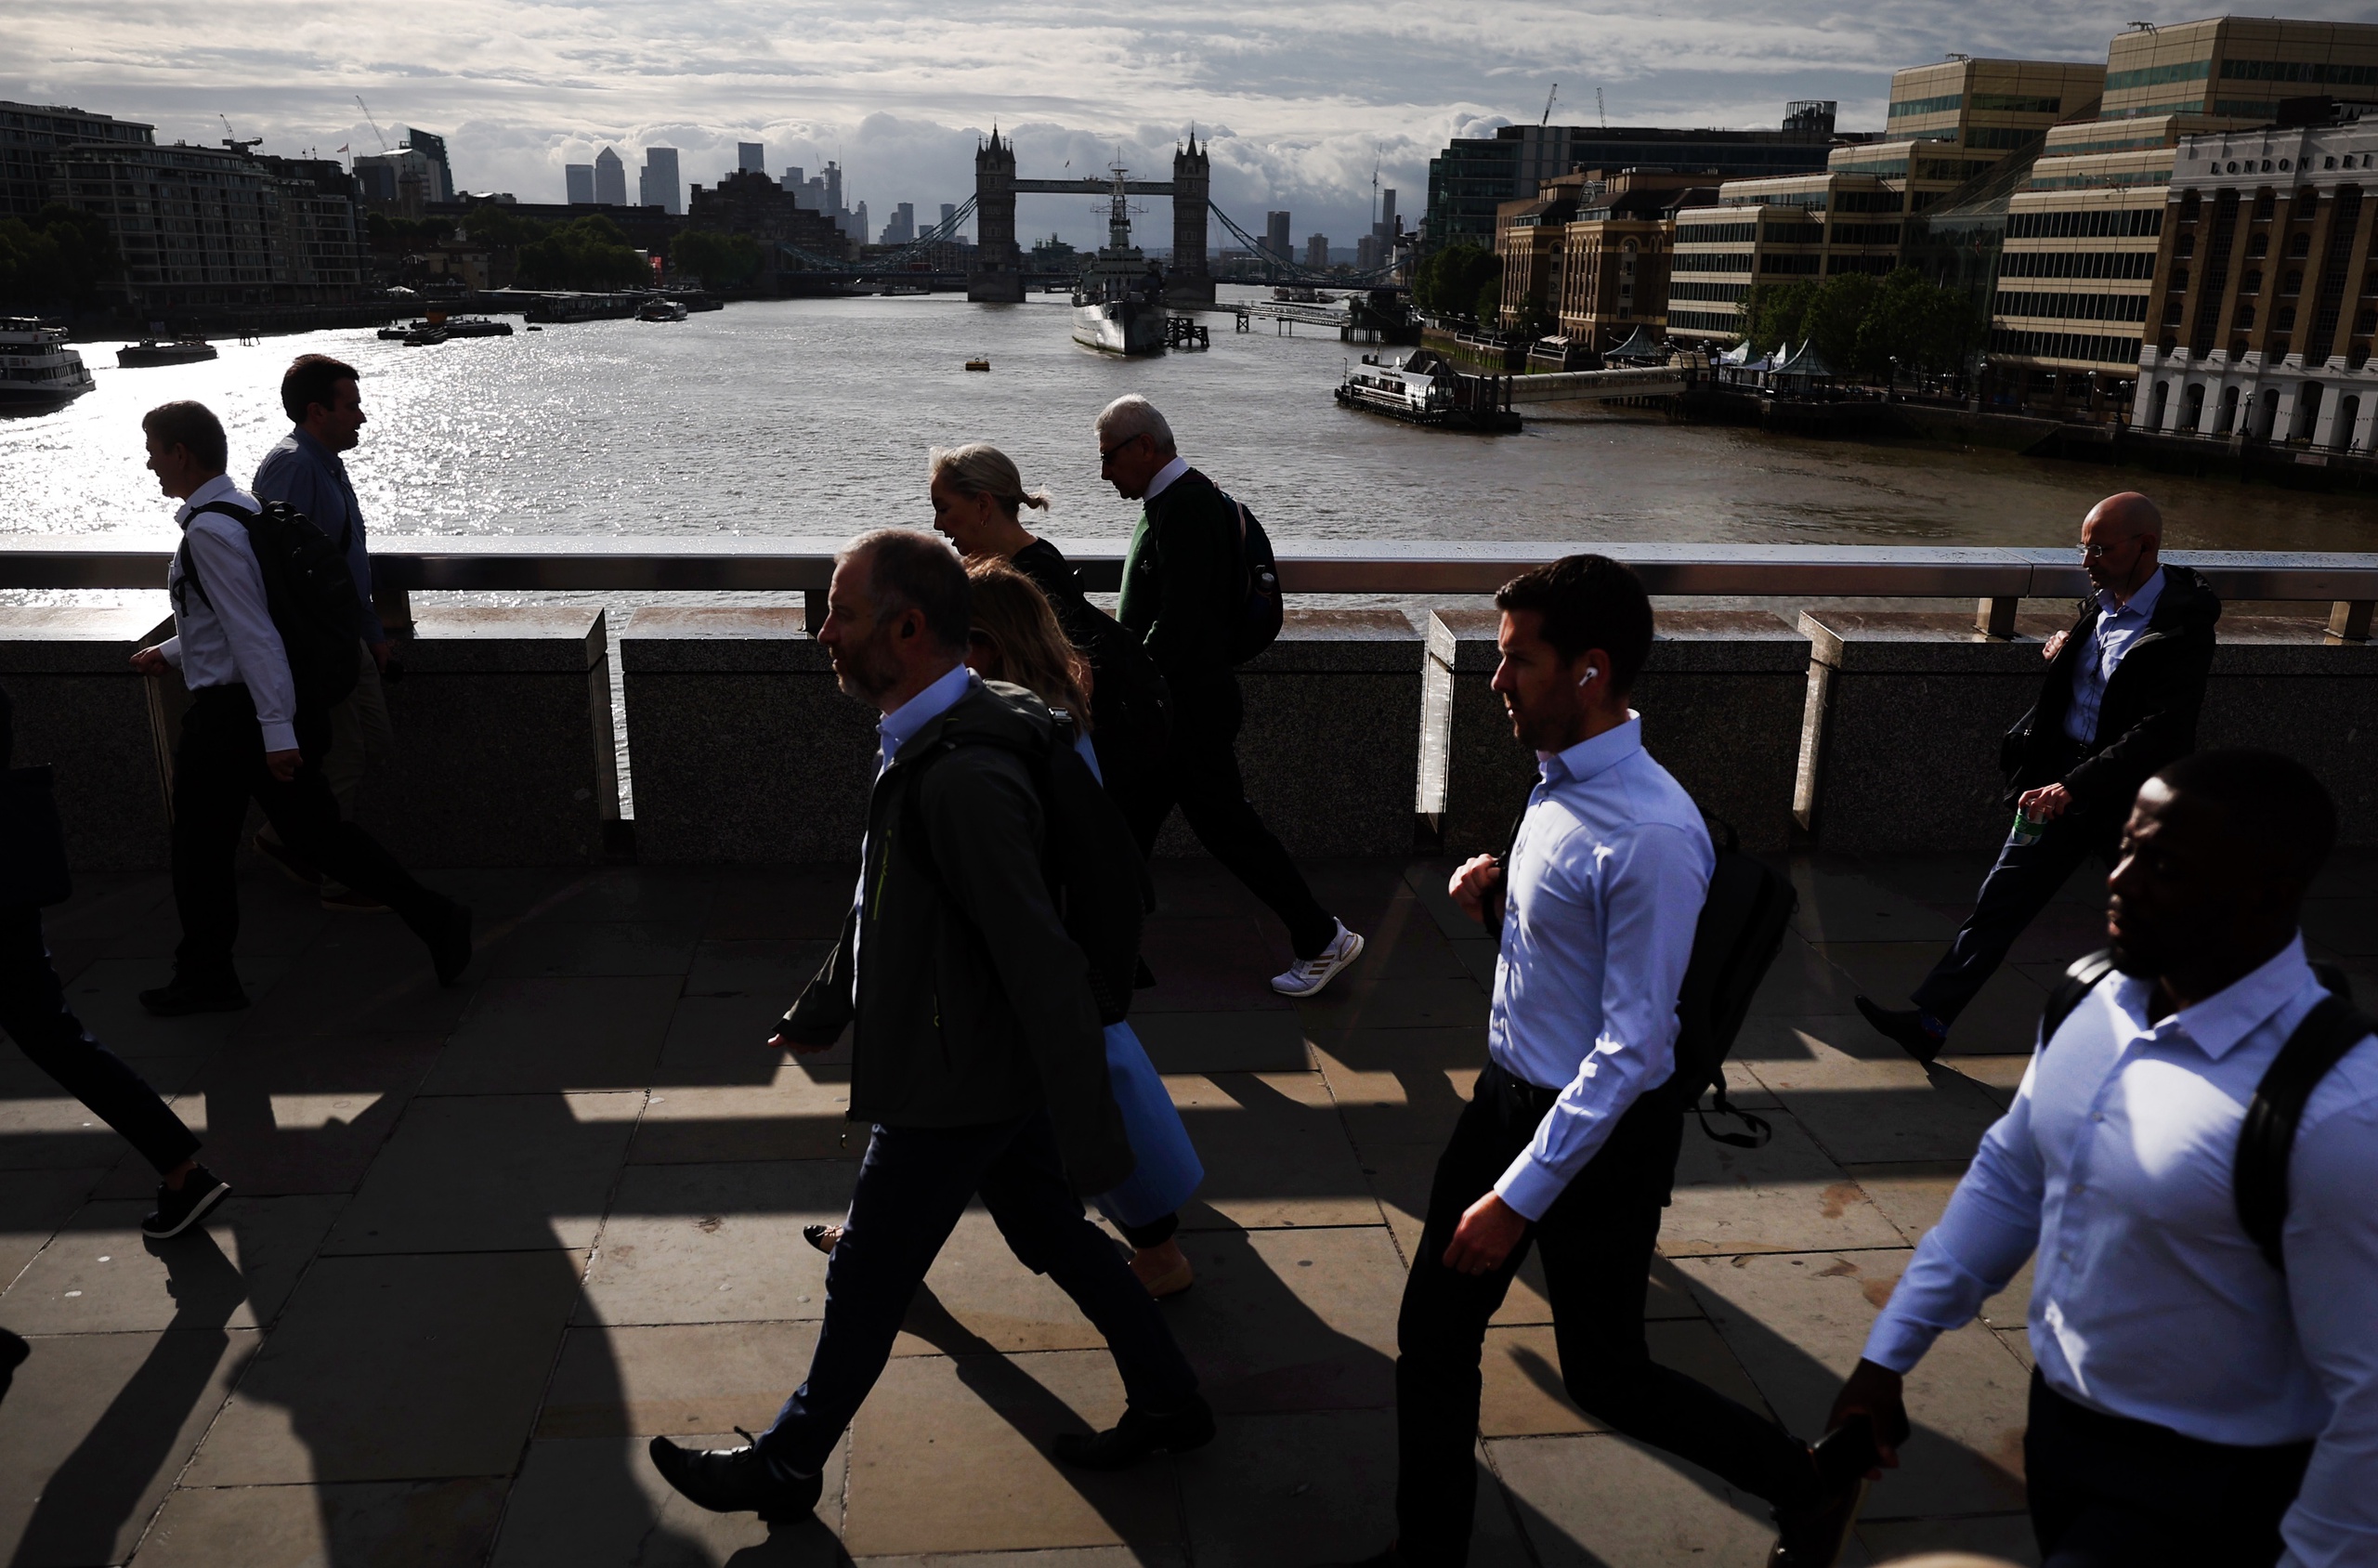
{"type": "Point", "coordinates": [2195, 1404]}
{"type": "Point", "coordinates": [1570, 1139]}
{"type": "Point", "coordinates": [2120, 698]}
{"type": "Point", "coordinates": [246, 735]}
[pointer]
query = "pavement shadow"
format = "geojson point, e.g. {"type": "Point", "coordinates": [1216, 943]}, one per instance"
{"type": "Point", "coordinates": [93, 1495]}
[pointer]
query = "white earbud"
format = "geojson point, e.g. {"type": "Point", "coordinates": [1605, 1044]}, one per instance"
{"type": "Point", "coordinates": [1589, 674]}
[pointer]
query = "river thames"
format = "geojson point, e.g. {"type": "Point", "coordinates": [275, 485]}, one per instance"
{"type": "Point", "coordinates": [814, 417]}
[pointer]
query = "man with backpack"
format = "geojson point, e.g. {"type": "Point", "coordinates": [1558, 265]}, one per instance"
{"type": "Point", "coordinates": [976, 1051]}
{"type": "Point", "coordinates": [1190, 594]}
{"type": "Point", "coordinates": [305, 473]}
{"type": "Point", "coordinates": [1569, 1142]}
{"type": "Point", "coordinates": [2191, 1160]}
{"type": "Point", "coordinates": [263, 616]}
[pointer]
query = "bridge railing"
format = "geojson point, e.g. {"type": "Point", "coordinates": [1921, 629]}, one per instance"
{"type": "Point", "coordinates": [1997, 579]}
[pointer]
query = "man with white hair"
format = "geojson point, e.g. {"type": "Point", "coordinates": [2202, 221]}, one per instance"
{"type": "Point", "coordinates": [1185, 584]}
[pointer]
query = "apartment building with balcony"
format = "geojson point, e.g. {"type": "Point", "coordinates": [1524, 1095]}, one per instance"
{"type": "Point", "coordinates": [1774, 231]}
{"type": "Point", "coordinates": [2267, 300]}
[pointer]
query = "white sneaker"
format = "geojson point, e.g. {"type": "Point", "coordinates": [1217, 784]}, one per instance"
{"type": "Point", "coordinates": [1308, 975]}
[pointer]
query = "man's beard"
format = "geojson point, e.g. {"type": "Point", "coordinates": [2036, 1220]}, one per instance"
{"type": "Point", "coordinates": [869, 669]}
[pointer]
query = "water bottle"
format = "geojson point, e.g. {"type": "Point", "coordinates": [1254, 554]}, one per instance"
{"type": "Point", "coordinates": [2027, 831]}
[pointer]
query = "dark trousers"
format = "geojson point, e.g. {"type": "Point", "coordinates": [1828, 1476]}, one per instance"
{"type": "Point", "coordinates": [2111, 1493]}
{"type": "Point", "coordinates": [1597, 1240]}
{"type": "Point", "coordinates": [218, 768]}
{"type": "Point", "coordinates": [2020, 885]}
{"type": "Point", "coordinates": [34, 1011]}
{"type": "Point", "coordinates": [1201, 777]}
{"type": "Point", "coordinates": [912, 1187]}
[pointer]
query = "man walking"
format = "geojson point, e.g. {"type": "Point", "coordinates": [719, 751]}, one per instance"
{"type": "Point", "coordinates": [1570, 1139]}
{"type": "Point", "coordinates": [2206, 1387]}
{"type": "Point", "coordinates": [35, 1014]}
{"type": "Point", "coordinates": [975, 1051]}
{"type": "Point", "coordinates": [246, 737]}
{"type": "Point", "coordinates": [2121, 699]}
{"type": "Point", "coordinates": [304, 471]}
{"type": "Point", "coordinates": [1184, 580]}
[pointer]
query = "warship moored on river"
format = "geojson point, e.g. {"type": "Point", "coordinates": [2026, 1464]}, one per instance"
{"type": "Point", "coordinates": [1118, 299]}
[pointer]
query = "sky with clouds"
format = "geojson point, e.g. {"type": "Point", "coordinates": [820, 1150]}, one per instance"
{"type": "Point", "coordinates": [1300, 101]}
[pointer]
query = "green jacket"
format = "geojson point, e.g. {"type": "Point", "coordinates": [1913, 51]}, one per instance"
{"type": "Point", "coordinates": [1182, 584]}
{"type": "Point", "coordinates": [970, 1003]}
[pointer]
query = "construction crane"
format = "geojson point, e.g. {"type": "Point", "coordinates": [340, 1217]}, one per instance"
{"type": "Point", "coordinates": [371, 122]}
{"type": "Point", "coordinates": [232, 138]}
{"type": "Point", "coordinates": [1545, 118]}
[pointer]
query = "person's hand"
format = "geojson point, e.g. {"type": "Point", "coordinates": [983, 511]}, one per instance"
{"type": "Point", "coordinates": [1874, 1391]}
{"type": "Point", "coordinates": [782, 1041]}
{"type": "Point", "coordinates": [1489, 1229]}
{"type": "Point", "coordinates": [1469, 885]}
{"type": "Point", "coordinates": [2054, 646]}
{"type": "Point", "coordinates": [149, 661]}
{"type": "Point", "coordinates": [380, 651]}
{"type": "Point", "coordinates": [2045, 803]}
{"type": "Point", "coordinates": [282, 765]}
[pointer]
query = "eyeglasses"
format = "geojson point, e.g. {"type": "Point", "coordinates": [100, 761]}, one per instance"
{"type": "Point", "coordinates": [2099, 551]}
{"type": "Point", "coordinates": [1106, 454]}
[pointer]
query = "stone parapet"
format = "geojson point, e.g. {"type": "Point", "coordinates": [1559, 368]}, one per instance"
{"type": "Point", "coordinates": [2280, 684]}
{"type": "Point", "coordinates": [1723, 696]}
{"type": "Point", "coordinates": [503, 753]}
{"type": "Point", "coordinates": [741, 747]}
{"type": "Point", "coordinates": [83, 709]}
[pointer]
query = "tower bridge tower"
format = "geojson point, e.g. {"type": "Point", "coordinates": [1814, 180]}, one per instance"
{"type": "Point", "coordinates": [997, 274]}
{"type": "Point", "coordinates": [1187, 281]}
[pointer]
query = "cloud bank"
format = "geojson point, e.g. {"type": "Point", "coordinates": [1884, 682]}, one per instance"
{"type": "Point", "coordinates": [1301, 103]}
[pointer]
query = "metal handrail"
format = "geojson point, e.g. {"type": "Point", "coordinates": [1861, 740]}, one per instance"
{"type": "Point", "coordinates": [743, 563]}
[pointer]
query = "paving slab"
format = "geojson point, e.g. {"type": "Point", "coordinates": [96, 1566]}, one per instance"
{"type": "Point", "coordinates": [716, 1243]}
{"type": "Point", "coordinates": [978, 1299]}
{"type": "Point", "coordinates": [1292, 1320]}
{"type": "Point", "coordinates": [400, 1368]}
{"type": "Point", "coordinates": [1384, 999]}
{"type": "Point", "coordinates": [779, 902]}
{"type": "Point", "coordinates": [1796, 1323]}
{"type": "Point", "coordinates": [1207, 963]}
{"type": "Point", "coordinates": [679, 1379]}
{"type": "Point", "coordinates": [100, 1274]}
{"type": "Point", "coordinates": [724, 1040]}
{"type": "Point", "coordinates": [1271, 1041]}
{"type": "Point", "coordinates": [951, 1453]}
{"type": "Point", "coordinates": [365, 976]}
{"type": "Point", "coordinates": [1313, 1487]}
{"type": "Point", "coordinates": [491, 1172]}
{"type": "Point", "coordinates": [800, 1112]}
{"type": "Point", "coordinates": [1863, 1101]}
{"type": "Point", "coordinates": [33, 1203]}
{"type": "Point", "coordinates": [48, 1131]}
{"type": "Point", "coordinates": [94, 1430]}
{"type": "Point", "coordinates": [1802, 980]}
{"type": "Point", "coordinates": [420, 1524]}
{"type": "Point", "coordinates": [2004, 1016]}
{"type": "Point", "coordinates": [1275, 1151]}
{"type": "Point", "coordinates": [596, 1502]}
{"type": "Point", "coordinates": [1787, 1196]}
{"type": "Point", "coordinates": [594, 948]}
{"type": "Point", "coordinates": [535, 1036]}
{"type": "Point", "coordinates": [1840, 903]}
{"type": "Point", "coordinates": [1524, 1396]}
{"type": "Point", "coordinates": [1603, 1501]}
{"type": "Point", "coordinates": [283, 1116]}
{"type": "Point", "coordinates": [1912, 1199]}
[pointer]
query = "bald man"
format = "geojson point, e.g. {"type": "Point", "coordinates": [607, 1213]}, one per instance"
{"type": "Point", "coordinates": [2120, 702]}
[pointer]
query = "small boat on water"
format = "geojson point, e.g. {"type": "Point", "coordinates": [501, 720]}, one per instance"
{"type": "Point", "coordinates": [1425, 389]}
{"type": "Point", "coordinates": [163, 351]}
{"type": "Point", "coordinates": [978, 364]}
{"type": "Point", "coordinates": [461, 326]}
{"type": "Point", "coordinates": [662, 310]}
{"type": "Point", "coordinates": [1118, 299]}
{"type": "Point", "coordinates": [37, 371]}
{"type": "Point", "coordinates": [425, 336]}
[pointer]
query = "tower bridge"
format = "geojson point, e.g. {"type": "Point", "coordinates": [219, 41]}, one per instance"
{"type": "Point", "coordinates": [998, 272]}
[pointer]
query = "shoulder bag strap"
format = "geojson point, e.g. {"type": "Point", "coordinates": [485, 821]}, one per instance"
{"type": "Point", "coordinates": [2079, 980]}
{"type": "Point", "coordinates": [2267, 1141]}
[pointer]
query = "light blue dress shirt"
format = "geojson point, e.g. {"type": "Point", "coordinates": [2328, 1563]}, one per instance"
{"type": "Point", "coordinates": [2118, 627]}
{"type": "Point", "coordinates": [2149, 1300]}
{"type": "Point", "coordinates": [224, 634]}
{"type": "Point", "coordinates": [1603, 892]}
{"type": "Point", "coordinates": [301, 472]}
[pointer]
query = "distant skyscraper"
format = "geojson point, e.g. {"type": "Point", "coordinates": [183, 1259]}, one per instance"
{"type": "Point", "coordinates": [949, 210]}
{"type": "Point", "coordinates": [903, 227]}
{"type": "Point", "coordinates": [579, 177]}
{"type": "Point", "coordinates": [1275, 236]}
{"type": "Point", "coordinates": [432, 147]}
{"type": "Point", "coordinates": [751, 156]}
{"type": "Point", "coordinates": [1316, 250]}
{"type": "Point", "coordinates": [610, 179]}
{"type": "Point", "coordinates": [833, 179]}
{"type": "Point", "coordinates": [858, 220]}
{"type": "Point", "coordinates": [656, 184]}
{"type": "Point", "coordinates": [1385, 227]}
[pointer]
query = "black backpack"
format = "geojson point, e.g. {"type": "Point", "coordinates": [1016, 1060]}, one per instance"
{"type": "Point", "coordinates": [1744, 914]}
{"type": "Point", "coordinates": [1256, 623]}
{"type": "Point", "coordinates": [309, 594]}
{"type": "Point", "coordinates": [2266, 1141]}
{"type": "Point", "coordinates": [1096, 876]}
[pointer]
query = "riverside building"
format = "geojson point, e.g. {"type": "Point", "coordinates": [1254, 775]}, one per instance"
{"type": "Point", "coordinates": [1775, 231]}
{"type": "Point", "coordinates": [31, 137]}
{"type": "Point", "coordinates": [1613, 268]}
{"type": "Point", "coordinates": [2267, 302]}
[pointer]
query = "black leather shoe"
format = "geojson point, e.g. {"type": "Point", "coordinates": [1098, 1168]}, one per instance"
{"type": "Point", "coordinates": [1136, 1436]}
{"type": "Point", "coordinates": [1814, 1534]}
{"type": "Point", "coordinates": [825, 1238]}
{"type": "Point", "coordinates": [735, 1481]}
{"type": "Point", "coordinates": [179, 1209]}
{"type": "Point", "coordinates": [182, 997]}
{"type": "Point", "coordinates": [450, 951]}
{"type": "Point", "coordinates": [1904, 1027]}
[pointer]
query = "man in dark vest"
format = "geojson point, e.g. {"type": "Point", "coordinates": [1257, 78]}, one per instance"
{"type": "Point", "coordinates": [2121, 700]}
{"type": "Point", "coordinates": [1184, 581]}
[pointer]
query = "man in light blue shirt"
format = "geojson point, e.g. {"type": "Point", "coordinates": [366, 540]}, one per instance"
{"type": "Point", "coordinates": [1569, 1142]}
{"type": "Point", "coordinates": [2195, 1405]}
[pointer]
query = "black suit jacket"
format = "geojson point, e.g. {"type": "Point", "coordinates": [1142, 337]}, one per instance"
{"type": "Point", "coordinates": [2148, 719]}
